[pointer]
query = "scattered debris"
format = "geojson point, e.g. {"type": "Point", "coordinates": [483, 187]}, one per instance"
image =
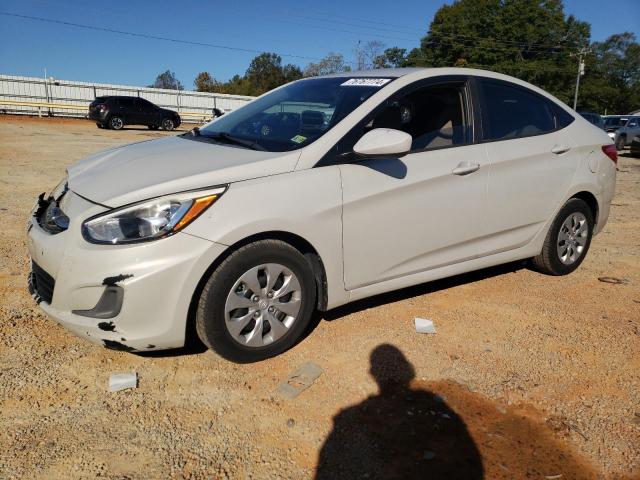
{"type": "Point", "coordinates": [299, 381]}
{"type": "Point", "coordinates": [425, 326]}
{"type": "Point", "coordinates": [122, 381]}
{"type": "Point", "coordinates": [291, 423]}
{"type": "Point", "coordinates": [614, 280]}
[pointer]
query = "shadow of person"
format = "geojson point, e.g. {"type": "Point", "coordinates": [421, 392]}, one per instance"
{"type": "Point", "coordinates": [401, 433]}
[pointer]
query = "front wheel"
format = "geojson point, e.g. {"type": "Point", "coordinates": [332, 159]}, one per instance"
{"type": "Point", "coordinates": [568, 239]}
{"type": "Point", "coordinates": [257, 303]}
{"type": "Point", "coordinates": [168, 124]}
{"type": "Point", "coordinates": [620, 143]}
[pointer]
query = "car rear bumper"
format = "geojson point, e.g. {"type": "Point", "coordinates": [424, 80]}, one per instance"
{"type": "Point", "coordinates": [97, 116]}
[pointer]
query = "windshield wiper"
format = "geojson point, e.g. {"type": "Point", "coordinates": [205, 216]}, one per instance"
{"type": "Point", "coordinates": [224, 136]}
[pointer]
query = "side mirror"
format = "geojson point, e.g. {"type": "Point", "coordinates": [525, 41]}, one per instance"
{"type": "Point", "coordinates": [383, 142]}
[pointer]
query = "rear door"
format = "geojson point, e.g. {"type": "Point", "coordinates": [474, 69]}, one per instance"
{"type": "Point", "coordinates": [424, 210]}
{"type": "Point", "coordinates": [533, 161]}
{"type": "Point", "coordinates": [127, 109]}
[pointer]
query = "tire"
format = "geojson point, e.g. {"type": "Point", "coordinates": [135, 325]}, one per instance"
{"type": "Point", "coordinates": [99, 125]}
{"type": "Point", "coordinates": [116, 123]}
{"type": "Point", "coordinates": [620, 143]}
{"type": "Point", "coordinates": [242, 335]}
{"type": "Point", "coordinates": [552, 260]}
{"type": "Point", "coordinates": [167, 124]}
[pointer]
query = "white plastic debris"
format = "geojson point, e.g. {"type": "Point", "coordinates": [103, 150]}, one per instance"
{"type": "Point", "coordinates": [425, 326]}
{"type": "Point", "coordinates": [122, 381]}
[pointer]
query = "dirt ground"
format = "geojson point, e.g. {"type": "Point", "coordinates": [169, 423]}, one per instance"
{"type": "Point", "coordinates": [528, 376]}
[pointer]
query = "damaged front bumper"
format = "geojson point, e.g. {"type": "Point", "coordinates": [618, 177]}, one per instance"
{"type": "Point", "coordinates": [127, 297]}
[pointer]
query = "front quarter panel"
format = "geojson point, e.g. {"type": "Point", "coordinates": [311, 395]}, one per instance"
{"type": "Point", "coordinates": [307, 203]}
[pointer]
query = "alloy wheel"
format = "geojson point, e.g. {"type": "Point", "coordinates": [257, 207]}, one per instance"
{"type": "Point", "coordinates": [572, 238]}
{"type": "Point", "coordinates": [116, 123]}
{"type": "Point", "coordinates": [262, 305]}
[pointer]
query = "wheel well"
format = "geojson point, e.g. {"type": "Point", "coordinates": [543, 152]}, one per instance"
{"type": "Point", "coordinates": [591, 201]}
{"type": "Point", "coordinates": [296, 241]}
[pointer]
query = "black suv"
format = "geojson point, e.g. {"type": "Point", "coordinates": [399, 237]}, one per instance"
{"type": "Point", "coordinates": [116, 112]}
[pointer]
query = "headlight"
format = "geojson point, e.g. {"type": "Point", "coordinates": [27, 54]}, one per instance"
{"type": "Point", "coordinates": [149, 220]}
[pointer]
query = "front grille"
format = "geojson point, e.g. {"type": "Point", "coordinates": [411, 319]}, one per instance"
{"type": "Point", "coordinates": [41, 283]}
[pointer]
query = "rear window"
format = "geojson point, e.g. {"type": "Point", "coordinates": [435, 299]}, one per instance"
{"type": "Point", "coordinates": [513, 112]}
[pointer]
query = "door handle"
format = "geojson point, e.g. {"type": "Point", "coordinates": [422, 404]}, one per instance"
{"type": "Point", "coordinates": [465, 168]}
{"type": "Point", "coordinates": [560, 149]}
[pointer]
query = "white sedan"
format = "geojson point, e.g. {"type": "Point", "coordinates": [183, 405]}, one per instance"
{"type": "Point", "coordinates": [324, 191]}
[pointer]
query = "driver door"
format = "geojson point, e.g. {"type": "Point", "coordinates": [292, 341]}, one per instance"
{"type": "Point", "coordinates": [424, 210]}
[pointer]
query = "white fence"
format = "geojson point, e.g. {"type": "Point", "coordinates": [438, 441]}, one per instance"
{"type": "Point", "coordinates": [191, 105]}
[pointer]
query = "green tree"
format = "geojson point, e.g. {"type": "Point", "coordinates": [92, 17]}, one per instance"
{"type": "Point", "coordinates": [394, 57]}
{"type": "Point", "coordinates": [266, 73]}
{"type": "Point", "coordinates": [612, 76]}
{"type": "Point", "coordinates": [529, 39]}
{"type": "Point", "coordinates": [167, 80]}
{"type": "Point", "coordinates": [204, 82]}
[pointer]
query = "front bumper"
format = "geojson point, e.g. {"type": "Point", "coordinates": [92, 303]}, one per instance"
{"type": "Point", "coordinates": [157, 280]}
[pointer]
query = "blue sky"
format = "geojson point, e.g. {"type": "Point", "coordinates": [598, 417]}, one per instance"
{"type": "Point", "coordinates": [303, 28]}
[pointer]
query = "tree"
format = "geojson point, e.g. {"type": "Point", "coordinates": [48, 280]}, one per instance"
{"type": "Point", "coordinates": [266, 73]}
{"type": "Point", "coordinates": [529, 39]}
{"type": "Point", "coordinates": [367, 53]}
{"type": "Point", "coordinates": [331, 63]}
{"type": "Point", "coordinates": [167, 80]}
{"type": "Point", "coordinates": [392, 58]}
{"type": "Point", "coordinates": [204, 82]}
{"type": "Point", "coordinates": [612, 76]}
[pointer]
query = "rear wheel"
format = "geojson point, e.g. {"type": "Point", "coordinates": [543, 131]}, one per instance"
{"type": "Point", "coordinates": [568, 239]}
{"type": "Point", "coordinates": [116, 123]}
{"type": "Point", "coordinates": [257, 303]}
{"type": "Point", "coordinates": [620, 142]}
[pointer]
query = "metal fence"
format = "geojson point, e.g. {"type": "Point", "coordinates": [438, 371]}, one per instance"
{"type": "Point", "coordinates": [193, 106]}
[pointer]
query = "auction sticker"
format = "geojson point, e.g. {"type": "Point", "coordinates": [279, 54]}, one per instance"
{"type": "Point", "coordinates": [298, 139]}
{"type": "Point", "coordinates": [365, 82]}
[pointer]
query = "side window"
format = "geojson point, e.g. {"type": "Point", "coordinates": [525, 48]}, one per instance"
{"type": "Point", "coordinates": [433, 116]}
{"type": "Point", "coordinates": [125, 102]}
{"type": "Point", "coordinates": [513, 112]}
{"type": "Point", "coordinates": [145, 104]}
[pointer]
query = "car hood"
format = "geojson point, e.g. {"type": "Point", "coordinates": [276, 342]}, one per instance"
{"type": "Point", "coordinates": [154, 168]}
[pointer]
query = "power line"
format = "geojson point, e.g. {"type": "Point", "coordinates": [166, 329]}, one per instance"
{"type": "Point", "coordinates": [151, 37]}
{"type": "Point", "coordinates": [363, 20]}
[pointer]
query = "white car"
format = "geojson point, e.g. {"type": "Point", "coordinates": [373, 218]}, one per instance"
{"type": "Point", "coordinates": [321, 192]}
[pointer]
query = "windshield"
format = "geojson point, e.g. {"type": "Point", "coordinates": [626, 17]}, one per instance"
{"type": "Point", "coordinates": [295, 115]}
{"type": "Point", "coordinates": [614, 121]}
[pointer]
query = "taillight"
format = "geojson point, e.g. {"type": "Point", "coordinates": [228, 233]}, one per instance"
{"type": "Point", "coordinates": [611, 151]}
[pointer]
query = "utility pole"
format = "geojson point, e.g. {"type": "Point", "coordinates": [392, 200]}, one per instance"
{"type": "Point", "coordinates": [580, 55]}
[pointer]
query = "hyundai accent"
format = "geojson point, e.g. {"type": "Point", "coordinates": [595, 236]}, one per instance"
{"type": "Point", "coordinates": [321, 192]}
